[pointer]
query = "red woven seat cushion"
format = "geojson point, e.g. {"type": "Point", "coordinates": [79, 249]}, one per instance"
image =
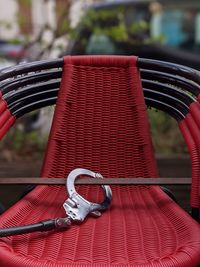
{"type": "Point", "coordinates": [100, 123]}
{"type": "Point", "coordinates": [142, 228]}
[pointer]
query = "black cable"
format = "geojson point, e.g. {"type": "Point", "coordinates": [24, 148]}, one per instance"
{"type": "Point", "coordinates": [47, 225]}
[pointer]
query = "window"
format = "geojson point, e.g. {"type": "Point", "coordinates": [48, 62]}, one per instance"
{"type": "Point", "coordinates": [179, 27]}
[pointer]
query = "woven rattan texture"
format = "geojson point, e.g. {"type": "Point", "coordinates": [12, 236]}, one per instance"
{"type": "Point", "coordinates": [100, 123]}
{"type": "Point", "coordinates": [6, 119]}
{"type": "Point", "coordinates": [192, 121]}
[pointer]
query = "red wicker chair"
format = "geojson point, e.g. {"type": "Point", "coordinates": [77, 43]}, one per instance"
{"type": "Point", "coordinates": [100, 123]}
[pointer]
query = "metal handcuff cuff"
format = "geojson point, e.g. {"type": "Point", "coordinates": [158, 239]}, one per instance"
{"type": "Point", "coordinates": [76, 207]}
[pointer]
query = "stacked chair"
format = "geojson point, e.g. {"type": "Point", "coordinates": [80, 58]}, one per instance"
{"type": "Point", "coordinates": [100, 123]}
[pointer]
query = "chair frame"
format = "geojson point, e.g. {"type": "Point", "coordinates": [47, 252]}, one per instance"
{"type": "Point", "coordinates": [169, 87]}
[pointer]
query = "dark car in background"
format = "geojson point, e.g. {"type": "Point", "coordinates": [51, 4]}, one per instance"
{"type": "Point", "coordinates": [166, 30]}
{"type": "Point", "coordinates": [11, 50]}
{"type": "Point", "coordinates": [11, 53]}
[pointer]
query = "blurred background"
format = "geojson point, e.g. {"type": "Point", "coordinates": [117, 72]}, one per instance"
{"type": "Point", "coordinates": [44, 29]}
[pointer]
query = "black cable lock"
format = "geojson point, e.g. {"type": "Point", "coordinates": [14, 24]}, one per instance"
{"type": "Point", "coordinates": [76, 207]}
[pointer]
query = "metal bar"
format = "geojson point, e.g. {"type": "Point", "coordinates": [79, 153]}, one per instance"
{"type": "Point", "coordinates": [24, 68]}
{"type": "Point", "coordinates": [172, 68]}
{"type": "Point", "coordinates": [91, 181]}
{"type": "Point", "coordinates": [26, 105]}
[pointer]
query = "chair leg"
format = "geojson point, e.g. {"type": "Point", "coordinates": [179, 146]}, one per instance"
{"type": "Point", "coordinates": [2, 209]}
{"type": "Point", "coordinates": [169, 193]}
{"type": "Point", "coordinates": [196, 214]}
{"type": "Point", "coordinates": [27, 190]}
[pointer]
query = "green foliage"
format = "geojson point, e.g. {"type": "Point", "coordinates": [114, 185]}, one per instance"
{"type": "Point", "coordinates": [64, 28]}
{"type": "Point", "coordinates": [140, 25]}
{"type": "Point", "coordinates": [21, 20]}
{"type": "Point", "coordinates": [15, 41]}
{"type": "Point", "coordinates": [106, 22]}
{"type": "Point", "coordinates": [160, 39]}
{"type": "Point", "coordinates": [117, 33]}
{"type": "Point", "coordinates": [25, 2]}
{"type": "Point", "coordinates": [103, 17]}
{"type": "Point", "coordinates": [166, 135]}
{"type": "Point", "coordinates": [20, 144]}
{"type": "Point", "coordinates": [5, 24]}
{"type": "Point", "coordinates": [113, 24]}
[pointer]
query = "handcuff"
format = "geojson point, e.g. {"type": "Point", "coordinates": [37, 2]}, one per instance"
{"type": "Point", "coordinates": [77, 208]}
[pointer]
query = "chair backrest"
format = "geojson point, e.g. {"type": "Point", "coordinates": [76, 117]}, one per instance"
{"type": "Point", "coordinates": [100, 120]}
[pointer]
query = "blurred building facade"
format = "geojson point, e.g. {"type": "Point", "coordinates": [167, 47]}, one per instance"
{"type": "Point", "coordinates": [8, 20]}
{"type": "Point", "coordinates": [21, 17]}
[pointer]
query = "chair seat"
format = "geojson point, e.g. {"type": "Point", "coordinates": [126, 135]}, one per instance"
{"type": "Point", "coordinates": [143, 227]}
